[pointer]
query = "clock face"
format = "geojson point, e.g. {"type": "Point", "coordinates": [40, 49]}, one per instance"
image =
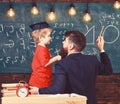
{"type": "Point", "coordinates": [22, 92]}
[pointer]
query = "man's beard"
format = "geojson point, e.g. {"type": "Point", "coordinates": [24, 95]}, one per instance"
{"type": "Point", "coordinates": [63, 52]}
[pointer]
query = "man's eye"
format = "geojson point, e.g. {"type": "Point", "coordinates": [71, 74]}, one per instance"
{"type": "Point", "coordinates": [63, 39]}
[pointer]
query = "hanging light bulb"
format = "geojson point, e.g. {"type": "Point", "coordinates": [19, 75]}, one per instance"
{"type": "Point", "coordinates": [116, 4]}
{"type": "Point", "coordinates": [51, 16]}
{"type": "Point", "coordinates": [11, 12]}
{"type": "Point", "coordinates": [34, 9]}
{"type": "Point", "coordinates": [72, 11]}
{"type": "Point", "coordinates": [87, 16]}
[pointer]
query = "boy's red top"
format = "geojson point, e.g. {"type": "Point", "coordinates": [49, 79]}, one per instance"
{"type": "Point", "coordinates": [41, 75]}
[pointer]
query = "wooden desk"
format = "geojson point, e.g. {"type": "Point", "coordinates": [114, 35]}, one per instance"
{"type": "Point", "coordinates": [45, 99]}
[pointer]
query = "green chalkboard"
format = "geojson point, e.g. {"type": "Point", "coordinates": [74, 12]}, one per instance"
{"type": "Point", "coordinates": [17, 47]}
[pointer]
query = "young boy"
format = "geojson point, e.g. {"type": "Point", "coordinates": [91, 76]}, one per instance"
{"type": "Point", "coordinates": [41, 64]}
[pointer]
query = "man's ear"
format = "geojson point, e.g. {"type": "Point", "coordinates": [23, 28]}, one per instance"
{"type": "Point", "coordinates": [71, 46]}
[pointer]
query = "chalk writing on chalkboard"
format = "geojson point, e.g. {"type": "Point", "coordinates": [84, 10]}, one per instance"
{"type": "Point", "coordinates": [17, 47]}
{"type": "Point", "coordinates": [13, 44]}
{"type": "Point", "coordinates": [18, 43]}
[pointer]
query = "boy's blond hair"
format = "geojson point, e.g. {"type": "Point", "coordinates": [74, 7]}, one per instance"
{"type": "Point", "coordinates": [37, 34]}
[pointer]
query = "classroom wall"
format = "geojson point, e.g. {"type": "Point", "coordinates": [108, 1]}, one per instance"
{"type": "Point", "coordinates": [17, 47]}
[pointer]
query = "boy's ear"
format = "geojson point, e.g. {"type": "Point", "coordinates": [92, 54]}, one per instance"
{"type": "Point", "coordinates": [40, 38]}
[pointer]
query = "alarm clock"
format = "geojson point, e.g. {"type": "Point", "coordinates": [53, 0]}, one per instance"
{"type": "Point", "coordinates": [22, 89]}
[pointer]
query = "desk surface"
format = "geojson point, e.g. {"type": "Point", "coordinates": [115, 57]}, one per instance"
{"type": "Point", "coordinates": [45, 99]}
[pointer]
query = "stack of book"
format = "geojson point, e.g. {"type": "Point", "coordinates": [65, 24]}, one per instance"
{"type": "Point", "coordinates": [8, 89]}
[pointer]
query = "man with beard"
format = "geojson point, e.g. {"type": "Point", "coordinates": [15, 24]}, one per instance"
{"type": "Point", "coordinates": [76, 73]}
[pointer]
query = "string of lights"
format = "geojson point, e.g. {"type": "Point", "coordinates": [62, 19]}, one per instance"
{"type": "Point", "coordinates": [51, 15]}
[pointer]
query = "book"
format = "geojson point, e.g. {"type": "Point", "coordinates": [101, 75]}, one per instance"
{"type": "Point", "coordinates": [8, 89]}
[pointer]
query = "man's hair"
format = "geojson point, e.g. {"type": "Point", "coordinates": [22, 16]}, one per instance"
{"type": "Point", "coordinates": [77, 38]}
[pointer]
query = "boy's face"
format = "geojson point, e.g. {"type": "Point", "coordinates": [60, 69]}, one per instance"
{"type": "Point", "coordinates": [47, 39]}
